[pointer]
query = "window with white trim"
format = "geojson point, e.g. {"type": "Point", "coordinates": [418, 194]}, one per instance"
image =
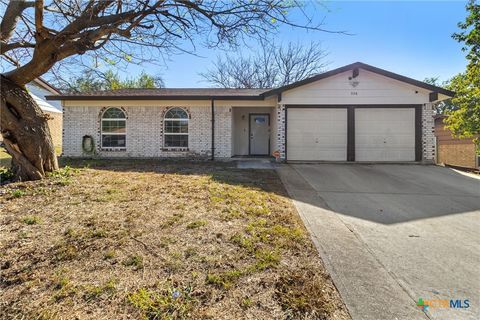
{"type": "Point", "coordinates": [113, 129]}
{"type": "Point", "coordinates": [175, 128]}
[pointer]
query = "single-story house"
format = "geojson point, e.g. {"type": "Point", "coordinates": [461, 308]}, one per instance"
{"type": "Point", "coordinates": [39, 89]}
{"type": "Point", "coordinates": [354, 113]}
{"type": "Point", "coordinates": [461, 152]}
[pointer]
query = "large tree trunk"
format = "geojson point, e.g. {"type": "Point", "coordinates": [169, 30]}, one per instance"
{"type": "Point", "coordinates": [25, 133]}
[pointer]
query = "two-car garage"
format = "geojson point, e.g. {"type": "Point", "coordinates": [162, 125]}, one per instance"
{"type": "Point", "coordinates": [357, 113]}
{"type": "Point", "coordinates": [353, 133]}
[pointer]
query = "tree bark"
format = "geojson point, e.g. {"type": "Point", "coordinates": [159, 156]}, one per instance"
{"type": "Point", "coordinates": [25, 132]}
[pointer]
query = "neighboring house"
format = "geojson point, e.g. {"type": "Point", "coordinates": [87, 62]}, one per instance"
{"type": "Point", "coordinates": [39, 89]}
{"type": "Point", "coordinates": [354, 113]}
{"type": "Point", "coordinates": [454, 151]}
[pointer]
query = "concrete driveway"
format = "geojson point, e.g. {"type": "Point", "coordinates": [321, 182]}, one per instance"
{"type": "Point", "coordinates": [392, 234]}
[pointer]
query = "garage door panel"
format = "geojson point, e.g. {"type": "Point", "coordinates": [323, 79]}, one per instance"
{"type": "Point", "coordinates": [317, 134]}
{"type": "Point", "coordinates": [385, 134]}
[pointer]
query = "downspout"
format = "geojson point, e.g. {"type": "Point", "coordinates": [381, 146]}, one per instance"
{"type": "Point", "coordinates": [213, 129]}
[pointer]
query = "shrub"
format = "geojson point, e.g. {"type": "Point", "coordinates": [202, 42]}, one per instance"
{"type": "Point", "coordinates": [6, 174]}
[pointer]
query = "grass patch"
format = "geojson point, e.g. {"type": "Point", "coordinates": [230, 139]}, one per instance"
{"type": "Point", "coordinates": [31, 220]}
{"type": "Point", "coordinates": [17, 193]}
{"type": "Point", "coordinates": [196, 224]}
{"type": "Point", "coordinates": [297, 293]}
{"type": "Point", "coordinates": [63, 175]}
{"type": "Point", "coordinates": [224, 279]}
{"type": "Point", "coordinates": [266, 259]}
{"type": "Point", "coordinates": [93, 292]}
{"type": "Point", "coordinates": [110, 254]}
{"type": "Point", "coordinates": [5, 158]}
{"type": "Point", "coordinates": [134, 261]}
{"type": "Point", "coordinates": [170, 221]}
{"type": "Point", "coordinates": [163, 303]}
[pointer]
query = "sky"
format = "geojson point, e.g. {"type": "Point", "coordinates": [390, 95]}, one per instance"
{"type": "Point", "coordinates": [410, 38]}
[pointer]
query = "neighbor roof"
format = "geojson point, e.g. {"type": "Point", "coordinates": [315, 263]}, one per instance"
{"type": "Point", "coordinates": [47, 86]}
{"type": "Point", "coordinates": [165, 93]}
{"type": "Point", "coordinates": [364, 66]}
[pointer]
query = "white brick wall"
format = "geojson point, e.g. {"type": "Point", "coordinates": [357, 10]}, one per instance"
{"type": "Point", "coordinates": [223, 132]}
{"type": "Point", "coordinates": [428, 133]}
{"type": "Point", "coordinates": [280, 109]}
{"type": "Point", "coordinates": [145, 132]}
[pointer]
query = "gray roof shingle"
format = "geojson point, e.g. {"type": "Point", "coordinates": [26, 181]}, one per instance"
{"type": "Point", "coordinates": [166, 93]}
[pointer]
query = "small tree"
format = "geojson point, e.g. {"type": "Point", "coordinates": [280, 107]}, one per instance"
{"type": "Point", "coordinates": [445, 106]}
{"type": "Point", "coordinates": [41, 36]}
{"type": "Point", "coordinates": [465, 121]}
{"type": "Point", "coordinates": [94, 81]}
{"type": "Point", "coordinates": [271, 66]}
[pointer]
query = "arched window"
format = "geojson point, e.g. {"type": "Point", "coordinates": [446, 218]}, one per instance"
{"type": "Point", "coordinates": [114, 128]}
{"type": "Point", "coordinates": [175, 127]}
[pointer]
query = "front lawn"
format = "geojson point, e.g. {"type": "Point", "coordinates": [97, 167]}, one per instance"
{"type": "Point", "coordinates": [158, 240]}
{"type": "Point", "coordinates": [4, 158]}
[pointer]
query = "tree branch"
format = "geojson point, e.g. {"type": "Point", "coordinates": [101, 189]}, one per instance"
{"type": "Point", "coordinates": [12, 14]}
{"type": "Point", "coordinates": [4, 47]}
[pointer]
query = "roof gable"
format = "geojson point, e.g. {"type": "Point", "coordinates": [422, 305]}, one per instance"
{"type": "Point", "coordinates": [354, 67]}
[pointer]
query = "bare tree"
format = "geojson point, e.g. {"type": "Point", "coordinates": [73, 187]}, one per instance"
{"type": "Point", "coordinates": [270, 67]}
{"type": "Point", "coordinates": [39, 36]}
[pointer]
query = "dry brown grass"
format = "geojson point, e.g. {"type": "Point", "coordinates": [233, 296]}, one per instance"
{"type": "Point", "coordinates": [158, 240]}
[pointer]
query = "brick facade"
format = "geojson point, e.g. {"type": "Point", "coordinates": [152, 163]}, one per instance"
{"type": "Point", "coordinates": [223, 131]}
{"type": "Point", "coordinates": [55, 126]}
{"type": "Point", "coordinates": [428, 133]}
{"type": "Point", "coordinates": [281, 130]}
{"type": "Point", "coordinates": [144, 132]}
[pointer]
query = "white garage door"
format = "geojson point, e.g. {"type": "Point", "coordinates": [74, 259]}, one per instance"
{"type": "Point", "coordinates": [384, 134]}
{"type": "Point", "coordinates": [317, 134]}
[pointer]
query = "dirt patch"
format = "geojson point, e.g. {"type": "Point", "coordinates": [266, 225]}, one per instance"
{"type": "Point", "coordinates": [158, 240]}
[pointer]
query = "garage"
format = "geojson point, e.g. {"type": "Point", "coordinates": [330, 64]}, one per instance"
{"type": "Point", "coordinates": [317, 134]}
{"type": "Point", "coordinates": [357, 113]}
{"type": "Point", "coordinates": [384, 134]}
{"type": "Point", "coordinates": [362, 133]}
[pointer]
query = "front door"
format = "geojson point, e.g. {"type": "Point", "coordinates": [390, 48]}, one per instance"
{"type": "Point", "coordinates": [259, 134]}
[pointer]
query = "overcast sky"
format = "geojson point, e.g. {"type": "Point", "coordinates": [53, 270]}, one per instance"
{"type": "Point", "coordinates": [411, 38]}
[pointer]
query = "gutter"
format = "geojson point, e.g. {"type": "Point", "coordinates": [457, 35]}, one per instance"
{"type": "Point", "coordinates": [154, 97]}
{"type": "Point", "coordinates": [213, 129]}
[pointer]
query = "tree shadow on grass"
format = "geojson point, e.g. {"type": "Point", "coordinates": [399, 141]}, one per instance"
{"type": "Point", "coordinates": [220, 171]}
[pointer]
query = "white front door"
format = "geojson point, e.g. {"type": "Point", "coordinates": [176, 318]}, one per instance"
{"type": "Point", "coordinates": [385, 134]}
{"type": "Point", "coordinates": [315, 134]}
{"type": "Point", "coordinates": [259, 134]}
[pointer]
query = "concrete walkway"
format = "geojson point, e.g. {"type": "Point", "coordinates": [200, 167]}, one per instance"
{"type": "Point", "coordinates": [391, 234]}
{"type": "Point", "coordinates": [261, 164]}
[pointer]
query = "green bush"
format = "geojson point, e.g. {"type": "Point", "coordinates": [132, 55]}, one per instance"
{"type": "Point", "coordinates": [6, 174]}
